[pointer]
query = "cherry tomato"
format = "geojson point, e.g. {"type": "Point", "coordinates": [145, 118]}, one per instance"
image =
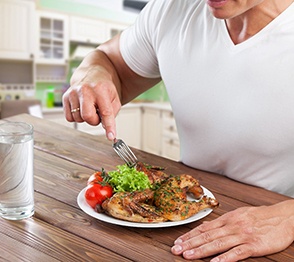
{"type": "Point", "coordinates": [96, 193]}
{"type": "Point", "coordinates": [95, 178]}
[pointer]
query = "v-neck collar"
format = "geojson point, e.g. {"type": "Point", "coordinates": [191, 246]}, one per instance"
{"type": "Point", "coordinates": [263, 32]}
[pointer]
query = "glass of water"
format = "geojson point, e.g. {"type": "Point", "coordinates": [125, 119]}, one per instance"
{"type": "Point", "coordinates": [16, 170]}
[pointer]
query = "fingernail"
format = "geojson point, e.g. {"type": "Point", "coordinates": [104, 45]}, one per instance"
{"type": "Point", "coordinates": [189, 252]}
{"type": "Point", "coordinates": [177, 248]}
{"type": "Point", "coordinates": [216, 259]}
{"type": "Point", "coordinates": [178, 241]}
{"type": "Point", "coordinates": [110, 136]}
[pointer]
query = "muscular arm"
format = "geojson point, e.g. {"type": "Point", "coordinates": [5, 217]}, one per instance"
{"type": "Point", "coordinates": [102, 83]}
{"type": "Point", "coordinates": [131, 84]}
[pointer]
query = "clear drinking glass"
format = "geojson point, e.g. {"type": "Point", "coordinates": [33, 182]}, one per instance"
{"type": "Point", "coordinates": [16, 170]}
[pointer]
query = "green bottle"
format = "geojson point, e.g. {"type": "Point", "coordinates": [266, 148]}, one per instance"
{"type": "Point", "coordinates": [50, 97]}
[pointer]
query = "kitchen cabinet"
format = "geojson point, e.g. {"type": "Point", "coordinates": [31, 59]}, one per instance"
{"type": "Point", "coordinates": [151, 130]}
{"type": "Point", "coordinates": [170, 145]}
{"type": "Point", "coordinates": [17, 79]}
{"type": "Point", "coordinates": [53, 49]}
{"type": "Point", "coordinates": [128, 125]}
{"type": "Point", "coordinates": [52, 38]}
{"type": "Point", "coordinates": [17, 49]}
{"type": "Point", "coordinates": [85, 30]}
{"type": "Point", "coordinates": [159, 132]}
{"type": "Point", "coordinates": [113, 29]}
{"type": "Point", "coordinates": [150, 127]}
{"type": "Point", "coordinates": [170, 148]}
{"type": "Point", "coordinates": [17, 29]}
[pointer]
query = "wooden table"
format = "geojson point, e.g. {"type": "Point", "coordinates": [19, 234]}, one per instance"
{"type": "Point", "coordinates": [64, 158]}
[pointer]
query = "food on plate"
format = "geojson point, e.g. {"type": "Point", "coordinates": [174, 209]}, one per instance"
{"type": "Point", "coordinates": [155, 174]}
{"type": "Point", "coordinates": [171, 198]}
{"type": "Point", "coordinates": [129, 179]}
{"type": "Point", "coordinates": [96, 193]}
{"type": "Point", "coordinates": [166, 203]}
{"type": "Point", "coordinates": [146, 194]}
{"type": "Point", "coordinates": [133, 206]}
{"type": "Point", "coordinates": [97, 177]}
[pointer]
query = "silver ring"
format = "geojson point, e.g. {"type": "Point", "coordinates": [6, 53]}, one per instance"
{"type": "Point", "coordinates": [75, 110]}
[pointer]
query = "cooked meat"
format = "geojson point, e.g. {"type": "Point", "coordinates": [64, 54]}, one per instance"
{"type": "Point", "coordinates": [154, 173]}
{"type": "Point", "coordinates": [171, 198]}
{"type": "Point", "coordinates": [167, 203]}
{"type": "Point", "coordinates": [133, 206]}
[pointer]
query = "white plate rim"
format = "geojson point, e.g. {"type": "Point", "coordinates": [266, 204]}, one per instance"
{"type": "Point", "coordinates": [105, 218]}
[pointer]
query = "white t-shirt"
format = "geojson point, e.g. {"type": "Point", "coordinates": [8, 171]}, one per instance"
{"type": "Point", "coordinates": [233, 104]}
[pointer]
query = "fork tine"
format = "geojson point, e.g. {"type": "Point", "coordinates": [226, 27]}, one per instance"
{"type": "Point", "coordinates": [124, 152]}
{"type": "Point", "coordinates": [124, 156]}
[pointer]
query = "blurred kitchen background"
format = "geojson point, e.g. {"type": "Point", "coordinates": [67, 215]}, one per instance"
{"type": "Point", "coordinates": [41, 44]}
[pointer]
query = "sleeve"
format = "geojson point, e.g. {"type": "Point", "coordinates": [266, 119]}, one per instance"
{"type": "Point", "coordinates": [137, 43]}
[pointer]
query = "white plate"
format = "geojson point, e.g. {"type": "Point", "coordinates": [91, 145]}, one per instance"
{"type": "Point", "coordinates": [103, 217]}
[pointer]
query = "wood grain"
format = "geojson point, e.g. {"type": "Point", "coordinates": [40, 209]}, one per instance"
{"type": "Point", "coordinates": [60, 231]}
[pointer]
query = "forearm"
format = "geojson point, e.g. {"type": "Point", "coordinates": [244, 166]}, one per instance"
{"type": "Point", "coordinates": [106, 64]}
{"type": "Point", "coordinates": [131, 84]}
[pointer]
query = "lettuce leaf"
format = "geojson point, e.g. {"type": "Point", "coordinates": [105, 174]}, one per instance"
{"type": "Point", "coordinates": [128, 179]}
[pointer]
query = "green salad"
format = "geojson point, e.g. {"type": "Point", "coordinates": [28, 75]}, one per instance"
{"type": "Point", "coordinates": [128, 179]}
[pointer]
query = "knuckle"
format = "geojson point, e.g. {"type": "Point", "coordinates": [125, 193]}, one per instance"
{"type": "Point", "coordinates": [248, 230]}
{"type": "Point", "coordinates": [241, 252]}
{"type": "Point", "coordinates": [206, 236]}
{"type": "Point", "coordinates": [82, 87]}
{"type": "Point", "coordinates": [235, 254]}
{"type": "Point", "coordinates": [106, 111]}
{"type": "Point", "coordinates": [87, 116]}
{"type": "Point", "coordinates": [189, 245]}
{"type": "Point", "coordinates": [201, 228]}
{"type": "Point", "coordinates": [84, 90]}
{"type": "Point", "coordinates": [218, 244]}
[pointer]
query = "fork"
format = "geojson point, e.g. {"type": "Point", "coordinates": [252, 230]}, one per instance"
{"type": "Point", "coordinates": [124, 152]}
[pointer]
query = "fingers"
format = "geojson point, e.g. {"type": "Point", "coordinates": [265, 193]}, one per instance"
{"type": "Point", "coordinates": [205, 226]}
{"type": "Point", "coordinates": [93, 104]}
{"type": "Point", "coordinates": [235, 254]}
{"type": "Point", "coordinates": [215, 237]}
{"type": "Point", "coordinates": [107, 104]}
{"type": "Point", "coordinates": [71, 108]}
{"type": "Point", "coordinates": [201, 242]}
{"type": "Point", "coordinates": [196, 248]}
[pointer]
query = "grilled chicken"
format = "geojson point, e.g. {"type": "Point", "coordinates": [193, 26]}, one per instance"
{"type": "Point", "coordinates": [167, 203]}
{"type": "Point", "coordinates": [171, 198]}
{"type": "Point", "coordinates": [133, 206]}
{"type": "Point", "coordinates": [154, 173]}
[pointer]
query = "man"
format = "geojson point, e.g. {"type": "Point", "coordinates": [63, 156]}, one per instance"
{"type": "Point", "coordinates": [226, 66]}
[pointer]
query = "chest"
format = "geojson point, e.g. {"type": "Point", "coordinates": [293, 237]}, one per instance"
{"type": "Point", "coordinates": [234, 93]}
